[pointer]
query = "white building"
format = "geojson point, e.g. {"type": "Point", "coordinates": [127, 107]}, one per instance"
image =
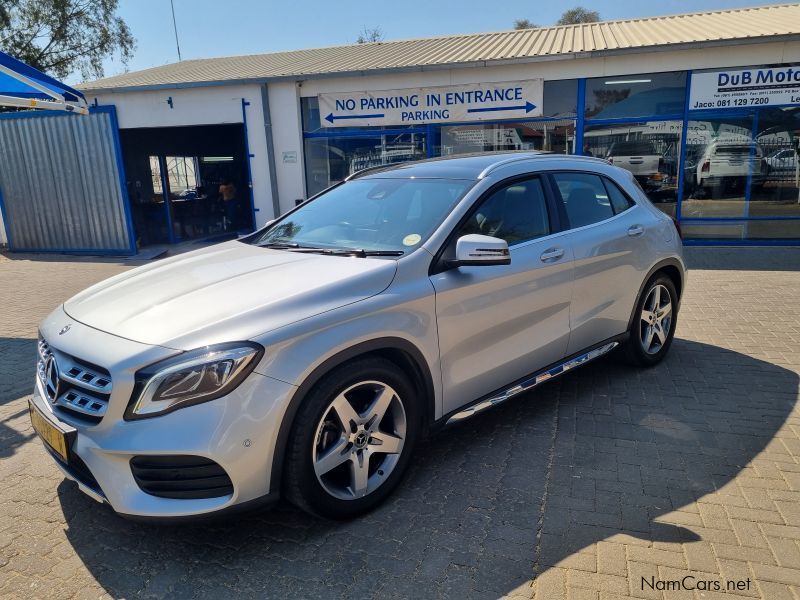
{"type": "Point", "coordinates": [668, 97]}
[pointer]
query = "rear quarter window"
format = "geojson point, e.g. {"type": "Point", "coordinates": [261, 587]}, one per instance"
{"type": "Point", "coordinates": [620, 201]}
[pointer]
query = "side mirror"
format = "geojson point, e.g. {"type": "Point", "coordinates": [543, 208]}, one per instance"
{"type": "Point", "coordinates": [475, 250]}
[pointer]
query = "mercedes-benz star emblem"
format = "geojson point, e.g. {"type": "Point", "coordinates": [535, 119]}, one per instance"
{"type": "Point", "coordinates": [51, 378]}
{"type": "Point", "coordinates": [64, 329]}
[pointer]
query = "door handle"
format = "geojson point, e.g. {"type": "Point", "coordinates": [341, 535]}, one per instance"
{"type": "Point", "coordinates": [552, 254]}
{"type": "Point", "coordinates": [635, 230]}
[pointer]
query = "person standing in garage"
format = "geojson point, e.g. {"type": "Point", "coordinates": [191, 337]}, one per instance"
{"type": "Point", "coordinates": [227, 190]}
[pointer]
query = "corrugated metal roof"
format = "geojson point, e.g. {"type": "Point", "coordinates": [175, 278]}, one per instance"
{"type": "Point", "coordinates": [606, 36]}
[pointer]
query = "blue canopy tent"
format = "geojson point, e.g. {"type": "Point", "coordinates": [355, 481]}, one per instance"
{"type": "Point", "coordinates": [25, 87]}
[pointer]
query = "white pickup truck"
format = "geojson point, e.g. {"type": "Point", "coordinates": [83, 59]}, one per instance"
{"type": "Point", "coordinates": [637, 156]}
{"type": "Point", "coordinates": [726, 165]}
{"type": "Point", "coordinates": [641, 158]}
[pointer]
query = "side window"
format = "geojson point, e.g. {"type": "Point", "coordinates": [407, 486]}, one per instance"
{"type": "Point", "coordinates": [515, 213]}
{"type": "Point", "coordinates": [619, 201]}
{"type": "Point", "coordinates": [585, 198]}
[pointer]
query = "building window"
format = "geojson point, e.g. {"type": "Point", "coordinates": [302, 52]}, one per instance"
{"type": "Point", "coordinates": [329, 160]}
{"type": "Point", "coordinates": [560, 98]}
{"type": "Point", "coordinates": [650, 150]}
{"type": "Point", "coordinates": [552, 136]}
{"type": "Point", "coordinates": [624, 96]}
{"type": "Point", "coordinates": [720, 157]}
{"type": "Point", "coordinates": [775, 191]}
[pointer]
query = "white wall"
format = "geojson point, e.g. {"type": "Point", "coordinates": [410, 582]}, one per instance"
{"type": "Point", "coordinates": [287, 136]}
{"type": "Point", "coordinates": [202, 106]}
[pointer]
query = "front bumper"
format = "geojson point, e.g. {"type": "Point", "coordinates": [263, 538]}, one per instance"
{"type": "Point", "coordinates": [237, 431]}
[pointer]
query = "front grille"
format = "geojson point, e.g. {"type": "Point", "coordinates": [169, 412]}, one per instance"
{"type": "Point", "coordinates": [74, 388]}
{"type": "Point", "coordinates": [181, 476]}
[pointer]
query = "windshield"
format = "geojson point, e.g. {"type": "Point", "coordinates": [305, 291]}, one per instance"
{"type": "Point", "coordinates": [391, 215]}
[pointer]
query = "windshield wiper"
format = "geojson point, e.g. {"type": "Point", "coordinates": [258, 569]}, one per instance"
{"type": "Point", "coordinates": [359, 252]}
{"type": "Point", "coordinates": [279, 245]}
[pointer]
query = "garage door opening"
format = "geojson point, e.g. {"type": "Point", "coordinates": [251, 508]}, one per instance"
{"type": "Point", "coordinates": [187, 183]}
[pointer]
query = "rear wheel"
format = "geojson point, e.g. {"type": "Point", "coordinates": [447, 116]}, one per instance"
{"type": "Point", "coordinates": [653, 326]}
{"type": "Point", "coordinates": [352, 439]}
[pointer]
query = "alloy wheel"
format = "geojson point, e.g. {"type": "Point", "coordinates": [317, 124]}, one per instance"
{"type": "Point", "coordinates": [359, 440]}
{"type": "Point", "coordinates": [656, 319]}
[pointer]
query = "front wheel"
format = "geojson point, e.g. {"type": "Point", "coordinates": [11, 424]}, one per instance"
{"type": "Point", "coordinates": [352, 439]}
{"type": "Point", "coordinates": [653, 325]}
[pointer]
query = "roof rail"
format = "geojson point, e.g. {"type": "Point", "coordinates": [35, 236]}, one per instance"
{"type": "Point", "coordinates": [367, 171]}
{"type": "Point", "coordinates": [537, 155]}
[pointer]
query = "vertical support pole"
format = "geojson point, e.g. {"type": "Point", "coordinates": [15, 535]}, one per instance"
{"type": "Point", "coordinates": [273, 171]}
{"type": "Point", "coordinates": [682, 149]}
{"type": "Point", "coordinates": [580, 117]}
{"type": "Point", "coordinates": [752, 158]}
{"type": "Point", "coordinates": [430, 149]}
{"type": "Point", "coordinates": [126, 201]}
{"type": "Point", "coordinates": [162, 165]}
{"type": "Point", "coordinates": [248, 156]}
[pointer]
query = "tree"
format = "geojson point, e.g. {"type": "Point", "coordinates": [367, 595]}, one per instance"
{"type": "Point", "coordinates": [367, 35]}
{"type": "Point", "coordinates": [62, 37]}
{"type": "Point", "coordinates": [576, 15]}
{"type": "Point", "coordinates": [524, 24]}
{"type": "Point", "coordinates": [572, 16]}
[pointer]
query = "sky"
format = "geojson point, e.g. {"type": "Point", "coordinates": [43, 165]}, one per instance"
{"type": "Point", "coordinates": [208, 28]}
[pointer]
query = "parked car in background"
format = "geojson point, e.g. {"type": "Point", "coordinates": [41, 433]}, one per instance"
{"type": "Point", "coordinates": [725, 166]}
{"type": "Point", "coordinates": [655, 172]}
{"type": "Point", "coordinates": [782, 163]}
{"type": "Point", "coordinates": [637, 156]}
{"type": "Point", "coordinates": [309, 358]}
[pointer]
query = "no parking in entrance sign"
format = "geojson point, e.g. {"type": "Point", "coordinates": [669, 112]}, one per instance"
{"type": "Point", "coordinates": [415, 106]}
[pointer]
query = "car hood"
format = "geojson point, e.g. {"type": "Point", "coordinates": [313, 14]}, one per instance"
{"type": "Point", "coordinates": [231, 291]}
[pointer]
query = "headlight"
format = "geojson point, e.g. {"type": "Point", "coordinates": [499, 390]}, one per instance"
{"type": "Point", "coordinates": [190, 378]}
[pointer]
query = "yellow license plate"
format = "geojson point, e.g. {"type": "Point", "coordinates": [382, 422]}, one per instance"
{"type": "Point", "coordinates": [50, 434]}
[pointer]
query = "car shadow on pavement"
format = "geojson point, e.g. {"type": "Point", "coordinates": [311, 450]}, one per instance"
{"type": "Point", "coordinates": [14, 352]}
{"type": "Point", "coordinates": [604, 451]}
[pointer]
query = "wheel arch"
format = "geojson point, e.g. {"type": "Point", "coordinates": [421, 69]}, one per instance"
{"type": "Point", "coordinates": [398, 350]}
{"type": "Point", "coordinates": [673, 269]}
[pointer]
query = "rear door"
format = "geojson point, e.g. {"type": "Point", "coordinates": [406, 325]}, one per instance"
{"type": "Point", "coordinates": [499, 323]}
{"type": "Point", "coordinates": [608, 237]}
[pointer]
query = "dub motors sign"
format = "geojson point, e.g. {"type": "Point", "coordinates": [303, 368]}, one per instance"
{"type": "Point", "coordinates": [742, 88]}
{"type": "Point", "coordinates": [413, 106]}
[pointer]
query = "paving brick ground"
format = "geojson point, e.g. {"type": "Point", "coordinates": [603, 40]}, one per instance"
{"type": "Point", "coordinates": [604, 483]}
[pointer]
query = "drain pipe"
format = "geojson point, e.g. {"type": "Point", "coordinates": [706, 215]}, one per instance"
{"type": "Point", "coordinates": [273, 173]}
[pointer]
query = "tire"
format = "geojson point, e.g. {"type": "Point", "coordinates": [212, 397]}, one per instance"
{"type": "Point", "coordinates": [637, 350]}
{"type": "Point", "coordinates": [336, 433]}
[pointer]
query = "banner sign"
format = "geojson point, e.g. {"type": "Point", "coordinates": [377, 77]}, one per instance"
{"type": "Point", "coordinates": [415, 106]}
{"type": "Point", "coordinates": [741, 88]}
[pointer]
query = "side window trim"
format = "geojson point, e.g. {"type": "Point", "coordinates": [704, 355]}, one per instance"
{"type": "Point", "coordinates": [607, 182]}
{"type": "Point", "coordinates": [560, 198]}
{"type": "Point", "coordinates": [555, 203]}
{"type": "Point", "coordinates": [437, 264]}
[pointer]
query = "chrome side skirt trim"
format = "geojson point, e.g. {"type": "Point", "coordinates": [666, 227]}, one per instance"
{"type": "Point", "coordinates": [528, 384]}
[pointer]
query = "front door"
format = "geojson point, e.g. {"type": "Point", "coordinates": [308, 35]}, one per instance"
{"type": "Point", "coordinates": [499, 323]}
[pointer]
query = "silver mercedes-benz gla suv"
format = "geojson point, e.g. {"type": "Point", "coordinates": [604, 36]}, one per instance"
{"type": "Point", "coordinates": [309, 358]}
